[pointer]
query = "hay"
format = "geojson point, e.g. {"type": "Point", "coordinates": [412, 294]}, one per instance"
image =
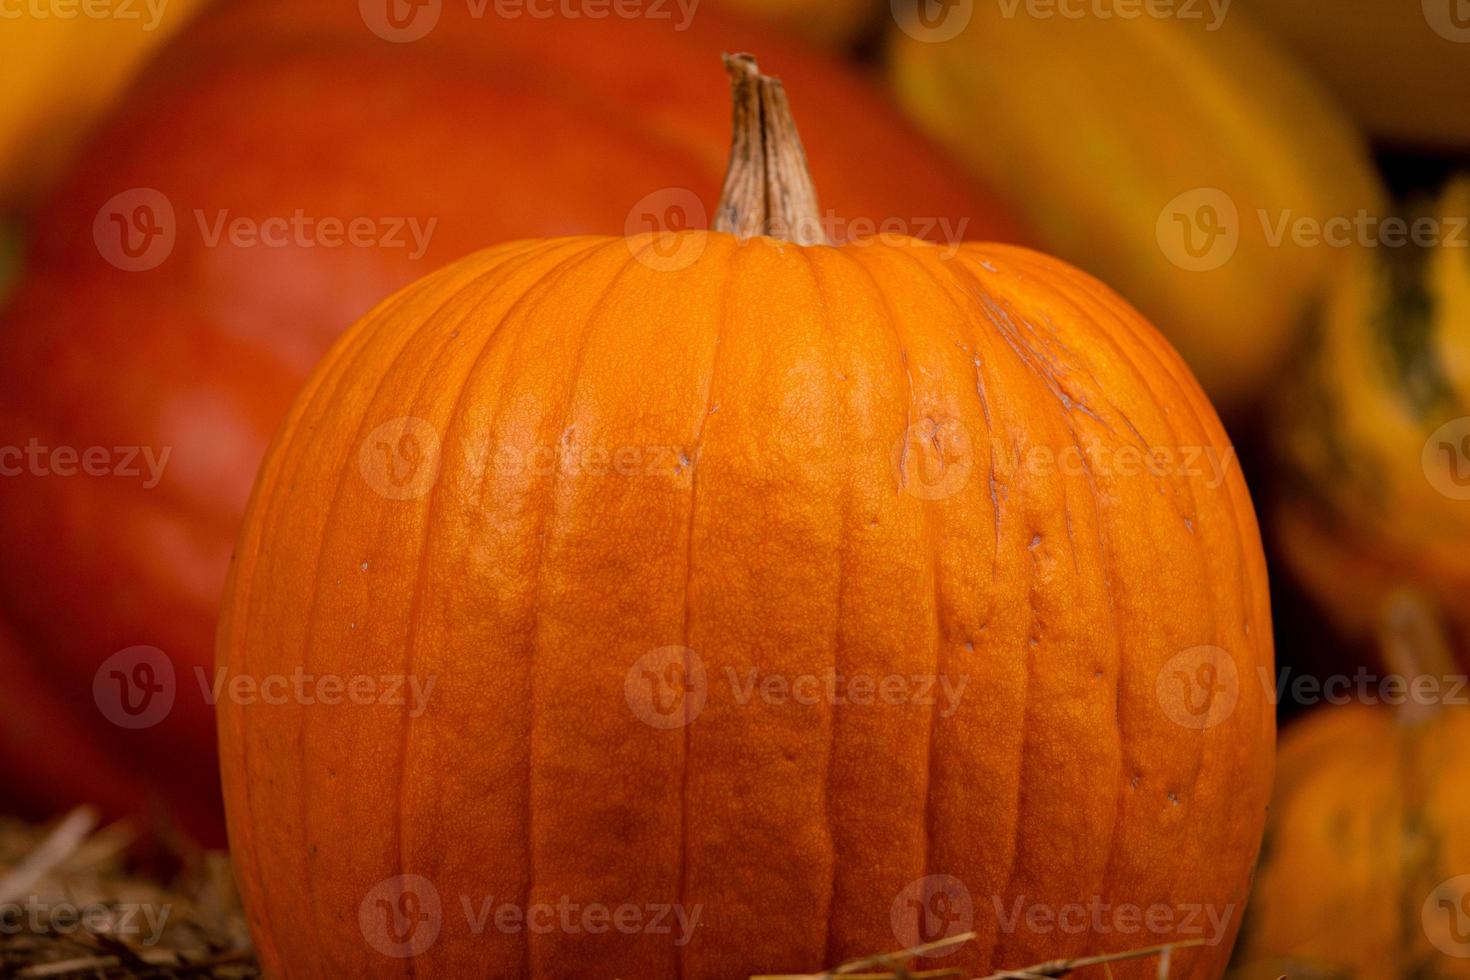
{"type": "Point", "coordinates": [77, 901]}
{"type": "Point", "coordinates": [74, 905]}
{"type": "Point", "coordinates": [893, 966]}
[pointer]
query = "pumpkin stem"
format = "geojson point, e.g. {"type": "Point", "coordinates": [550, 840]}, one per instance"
{"type": "Point", "coordinates": [768, 189]}
{"type": "Point", "coordinates": [1415, 646]}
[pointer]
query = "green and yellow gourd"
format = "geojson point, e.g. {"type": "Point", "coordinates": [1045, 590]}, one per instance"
{"type": "Point", "coordinates": [1372, 433]}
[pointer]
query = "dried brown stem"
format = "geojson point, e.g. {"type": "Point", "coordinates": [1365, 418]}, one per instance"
{"type": "Point", "coordinates": [768, 188]}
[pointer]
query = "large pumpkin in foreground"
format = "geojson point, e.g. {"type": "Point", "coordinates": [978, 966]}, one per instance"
{"type": "Point", "coordinates": [834, 597]}
{"type": "Point", "coordinates": [270, 130]}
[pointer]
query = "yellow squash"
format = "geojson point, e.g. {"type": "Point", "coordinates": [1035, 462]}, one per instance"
{"type": "Point", "coordinates": [1402, 67]}
{"type": "Point", "coordinates": [1177, 159]}
{"type": "Point", "coordinates": [62, 63]}
{"type": "Point", "coordinates": [1374, 433]}
{"type": "Point", "coordinates": [1365, 873]}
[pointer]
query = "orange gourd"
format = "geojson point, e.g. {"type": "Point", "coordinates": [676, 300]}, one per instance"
{"type": "Point", "coordinates": [753, 577]}
{"type": "Point", "coordinates": [1366, 869]}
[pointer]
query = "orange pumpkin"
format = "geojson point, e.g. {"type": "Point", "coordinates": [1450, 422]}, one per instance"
{"type": "Point", "coordinates": [482, 131]}
{"type": "Point", "coordinates": [1366, 870]}
{"type": "Point", "coordinates": [824, 594]}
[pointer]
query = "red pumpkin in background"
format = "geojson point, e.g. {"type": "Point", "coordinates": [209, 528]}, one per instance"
{"type": "Point", "coordinates": [47, 747]}
{"type": "Point", "coordinates": [155, 332]}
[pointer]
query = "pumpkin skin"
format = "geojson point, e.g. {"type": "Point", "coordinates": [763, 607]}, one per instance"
{"type": "Point", "coordinates": [202, 354]}
{"type": "Point", "coordinates": [1401, 79]}
{"type": "Point", "coordinates": [834, 467]}
{"type": "Point", "coordinates": [1360, 513]}
{"type": "Point", "coordinates": [60, 72]}
{"type": "Point", "coordinates": [1100, 129]}
{"type": "Point", "coordinates": [833, 23]}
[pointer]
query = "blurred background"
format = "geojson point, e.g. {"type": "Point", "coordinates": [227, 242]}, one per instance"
{"type": "Point", "coordinates": [198, 196]}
